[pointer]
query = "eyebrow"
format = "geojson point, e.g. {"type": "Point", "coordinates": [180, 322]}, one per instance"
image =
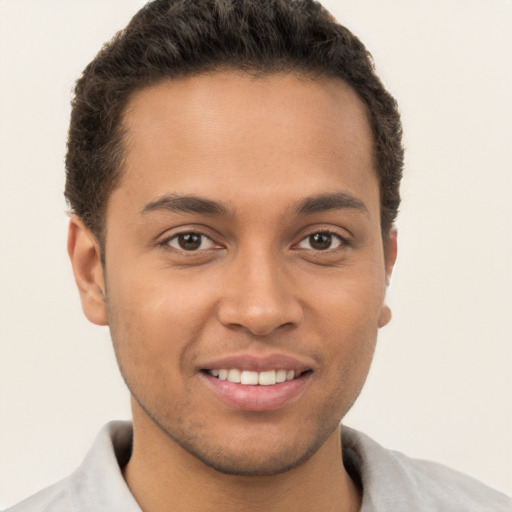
{"type": "Point", "coordinates": [175, 203]}
{"type": "Point", "coordinates": [327, 202]}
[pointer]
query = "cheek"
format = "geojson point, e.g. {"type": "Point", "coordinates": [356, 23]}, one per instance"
{"type": "Point", "coordinates": [153, 324]}
{"type": "Point", "coordinates": [346, 316]}
{"type": "Point", "coordinates": [351, 349]}
{"type": "Point", "coordinates": [349, 302]}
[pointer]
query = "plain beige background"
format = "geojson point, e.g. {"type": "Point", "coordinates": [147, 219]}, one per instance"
{"type": "Point", "coordinates": [441, 383]}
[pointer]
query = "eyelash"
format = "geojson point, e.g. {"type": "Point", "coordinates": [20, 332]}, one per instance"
{"type": "Point", "coordinates": [166, 243]}
{"type": "Point", "coordinates": [341, 240]}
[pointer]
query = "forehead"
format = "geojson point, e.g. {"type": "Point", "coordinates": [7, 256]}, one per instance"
{"type": "Point", "coordinates": [235, 136]}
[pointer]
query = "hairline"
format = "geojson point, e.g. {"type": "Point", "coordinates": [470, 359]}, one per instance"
{"type": "Point", "coordinates": [119, 141]}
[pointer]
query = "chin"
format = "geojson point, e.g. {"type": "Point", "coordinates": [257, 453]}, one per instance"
{"type": "Point", "coordinates": [253, 463]}
{"type": "Point", "coordinates": [263, 452]}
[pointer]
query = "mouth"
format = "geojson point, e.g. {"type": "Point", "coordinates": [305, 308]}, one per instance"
{"type": "Point", "coordinates": [257, 383]}
{"type": "Point", "coordinates": [257, 389]}
{"type": "Point", "coordinates": [254, 378]}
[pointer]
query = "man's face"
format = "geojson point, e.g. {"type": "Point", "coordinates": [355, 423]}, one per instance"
{"type": "Point", "coordinates": [245, 240]}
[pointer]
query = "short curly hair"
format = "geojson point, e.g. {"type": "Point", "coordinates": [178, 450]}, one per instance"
{"type": "Point", "coordinates": [169, 39]}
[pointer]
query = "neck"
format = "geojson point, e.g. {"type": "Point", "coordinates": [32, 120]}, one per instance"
{"type": "Point", "coordinates": [162, 476]}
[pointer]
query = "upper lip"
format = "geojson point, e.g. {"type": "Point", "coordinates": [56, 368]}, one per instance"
{"type": "Point", "coordinates": [260, 363]}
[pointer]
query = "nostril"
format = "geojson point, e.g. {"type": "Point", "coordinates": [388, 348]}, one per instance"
{"type": "Point", "coordinates": [257, 321]}
{"type": "Point", "coordinates": [261, 310]}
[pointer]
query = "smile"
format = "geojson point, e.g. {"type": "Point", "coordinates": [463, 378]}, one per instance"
{"type": "Point", "coordinates": [252, 378]}
{"type": "Point", "coordinates": [256, 391]}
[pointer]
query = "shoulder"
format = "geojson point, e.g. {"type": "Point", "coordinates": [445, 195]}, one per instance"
{"type": "Point", "coordinates": [56, 498]}
{"type": "Point", "coordinates": [98, 484]}
{"type": "Point", "coordinates": [392, 481]}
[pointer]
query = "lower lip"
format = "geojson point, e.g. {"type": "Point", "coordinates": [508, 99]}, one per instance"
{"type": "Point", "coordinates": [257, 398]}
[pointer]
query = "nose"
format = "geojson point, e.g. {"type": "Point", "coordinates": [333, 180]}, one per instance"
{"type": "Point", "coordinates": [260, 296]}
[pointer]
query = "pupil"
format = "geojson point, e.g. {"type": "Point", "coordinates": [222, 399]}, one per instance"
{"type": "Point", "coordinates": [189, 241]}
{"type": "Point", "coordinates": [320, 241]}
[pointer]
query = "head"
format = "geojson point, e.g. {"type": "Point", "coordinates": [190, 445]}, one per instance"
{"type": "Point", "coordinates": [233, 168]}
{"type": "Point", "coordinates": [175, 39]}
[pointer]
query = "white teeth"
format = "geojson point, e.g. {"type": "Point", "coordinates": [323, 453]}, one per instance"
{"type": "Point", "coordinates": [249, 378]}
{"type": "Point", "coordinates": [280, 375]}
{"type": "Point", "coordinates": [234, 376]}
{"type": "Point", "coordinates": [267, 378]}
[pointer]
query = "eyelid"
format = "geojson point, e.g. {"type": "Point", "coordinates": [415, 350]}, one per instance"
{"type": "Point", "coordinates": [166, 239]}
{"type": "Point", "coordinates": [200, 248]}
{"type": "Point", "coordinates": [171, 234]}
{"type": "Point", "coordinates": [341, 241]}
{"type": "Point", "coordinates": [340, 233]}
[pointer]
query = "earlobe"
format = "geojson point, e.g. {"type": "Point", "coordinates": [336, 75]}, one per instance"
{"type": "Point", "coordinates": [85, 255]}
{"type": "Point", "coordinates": [390, 253]}
{"type": "Point", "coordinates": [385, 316]}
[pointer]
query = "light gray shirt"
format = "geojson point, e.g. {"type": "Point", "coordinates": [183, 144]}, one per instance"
{"type": "Point", "coordinates": [391, 481]}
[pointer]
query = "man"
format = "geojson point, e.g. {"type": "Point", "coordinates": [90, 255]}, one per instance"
{"type": "Point", "coordinates": [233, 172]}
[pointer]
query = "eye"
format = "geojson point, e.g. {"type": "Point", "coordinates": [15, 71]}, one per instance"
{"type": "Point", "coordinates": [190, 242]}
{"type": "Point", "coordinates": [321, 241]}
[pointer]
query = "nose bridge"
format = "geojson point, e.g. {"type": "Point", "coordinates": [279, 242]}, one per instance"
{"type": "Point", "coordinates": [260, 296]}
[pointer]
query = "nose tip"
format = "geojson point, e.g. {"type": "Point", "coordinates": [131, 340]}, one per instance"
{"type": "Point", "coordinates": [260, 304]}
{"type": "Point", "coordinates": [259, 319]}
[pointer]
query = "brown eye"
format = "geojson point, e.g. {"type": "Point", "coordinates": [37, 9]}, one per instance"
{"type": "Point", "coordinates": [321, 241]}
{"type": "Point", "coordinates": [191, 242]}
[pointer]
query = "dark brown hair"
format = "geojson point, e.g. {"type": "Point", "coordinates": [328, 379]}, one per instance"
{"type": "Point", "coordinates": [168, 39]}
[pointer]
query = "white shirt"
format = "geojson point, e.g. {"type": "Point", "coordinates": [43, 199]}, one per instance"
{"type": "Point", "coordinates": [391, 481]}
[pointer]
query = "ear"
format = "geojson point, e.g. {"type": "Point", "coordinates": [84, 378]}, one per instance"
{"type": "Point", "coordinates": [85, 255]}
{"type": "Point", "coordinates": [390, 252]}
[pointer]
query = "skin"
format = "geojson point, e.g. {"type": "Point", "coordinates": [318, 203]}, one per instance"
{"type": "Point", "coordinates": [259, 284]}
